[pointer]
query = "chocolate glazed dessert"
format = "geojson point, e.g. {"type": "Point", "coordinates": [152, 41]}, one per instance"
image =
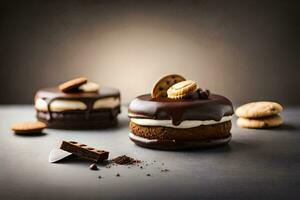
{"type": "Point", "coordinates": [194, 120]}
{"type": "Point", "coordinates": [84, 107]}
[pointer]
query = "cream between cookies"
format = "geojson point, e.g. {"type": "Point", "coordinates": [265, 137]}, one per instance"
{"type": "Point", "coordinates": [184, 124]}
{"type": "Point", "coordinates": [63, 105]}
{"type": "Point", "coordinates": [110, 102]}
{"type": "Point", "coordinates": [141, 139]}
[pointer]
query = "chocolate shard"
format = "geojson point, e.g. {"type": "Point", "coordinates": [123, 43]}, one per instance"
{"type": "Point", "coordinates": [93, 166]}
{"type": "Point", "coordinates": [85, 152]}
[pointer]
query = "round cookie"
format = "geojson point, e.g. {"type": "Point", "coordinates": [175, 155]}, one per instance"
{"type": "Point", "coordinates": [264, 122]}
{"type": "Point", "coordinates": [258, 109]}
{"type": "Point", "coordinates": [161, 87]}
{"type": "Point", "coordinates": [28, 127]}
{"type": "Point", "coordinates": [70, 85]}
{"type": "Point", "coordinates": [181, 89]}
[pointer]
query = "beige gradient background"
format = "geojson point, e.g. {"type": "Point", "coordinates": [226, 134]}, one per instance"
{"type": "Point", "coordinates": [245, 51]}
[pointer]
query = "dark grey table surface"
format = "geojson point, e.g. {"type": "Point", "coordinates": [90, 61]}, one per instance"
{"type": "Point", "coordinates": [258, 164]}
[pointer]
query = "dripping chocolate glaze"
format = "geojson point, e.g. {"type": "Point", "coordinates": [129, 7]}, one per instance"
{"type": "Point", "coordinates": [88, 98]}
{"type": "Point", "coordinates": [213, 108]}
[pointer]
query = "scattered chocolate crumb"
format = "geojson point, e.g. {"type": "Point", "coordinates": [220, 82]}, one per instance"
{"type": "Point", "coordinates": [93, 167]}
{"type": "Point", "coordinates": [99, 177]}
{"type": "Point", "coordinates": [125, 160]}
{"type": "Point", "coordinates": [164, 170]}
{"type": "Point", "coordinates": [118, 174]}
{"type": "Point", "coordinates": [148, 174]}
{"type": "Point", "coordinates": [141, 167]}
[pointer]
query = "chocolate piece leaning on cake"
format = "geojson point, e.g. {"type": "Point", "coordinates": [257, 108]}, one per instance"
{"type": "Point", "coordinates": [78, 104]}
{"type": "Point", "coordinates": [180, 115]}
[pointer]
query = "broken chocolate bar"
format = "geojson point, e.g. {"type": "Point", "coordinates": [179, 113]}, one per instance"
{"type": "Point", "coordinates": [83, 151]}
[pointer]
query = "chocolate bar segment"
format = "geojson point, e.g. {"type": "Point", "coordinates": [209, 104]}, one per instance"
{"type": "Point", "coordinates": [83, 151]}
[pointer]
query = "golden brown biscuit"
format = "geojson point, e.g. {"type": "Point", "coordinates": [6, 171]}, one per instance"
{"type": "Point", "coordinates": [160, 88]}
{"type": "Point", "coordinates": [182, 89]}
{"type": "Point", "coordinates": [264, 122]}
{"type": "Point", "coordinates": [72, 84]}
{"type": "Point", "coordinates": [258, 109]}
{"type": "Point", "coordinates": [28, 127]}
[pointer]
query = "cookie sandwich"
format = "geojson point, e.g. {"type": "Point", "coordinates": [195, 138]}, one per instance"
{"type": "Point", "coordinates": [179, 115]}
{"type": "Point", "coordinates": [78, 104]}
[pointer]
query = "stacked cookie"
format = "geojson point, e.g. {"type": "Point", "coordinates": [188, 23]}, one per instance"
{"type": "Point", "coordinates": [263, 114]}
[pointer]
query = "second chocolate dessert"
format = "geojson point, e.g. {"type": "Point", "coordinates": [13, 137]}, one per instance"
{"type": "Point", "coordinates": [83, 106]}
{"type": "Point", "coordinates": [180, 115]}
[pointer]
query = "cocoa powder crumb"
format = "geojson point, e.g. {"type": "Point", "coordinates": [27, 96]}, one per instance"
{"type": "Point", "coordinates": [125, 160]}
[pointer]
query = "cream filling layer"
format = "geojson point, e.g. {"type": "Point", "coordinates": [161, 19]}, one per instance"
{"type": "Point", "coordinates": [205, 142]}
{"type": "Point", "coordinates": [141, 139]}
{"type": "Point", "coordinates": [110, 102]}
{"type": "Point", "coordinates": [64, 105]}
{"type": "Point", "coordinates": [184, 124]}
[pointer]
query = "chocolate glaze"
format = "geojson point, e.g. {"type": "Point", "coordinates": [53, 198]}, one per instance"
{"type": "Point", "coordinates": [88, 98]}
{"type": "Point", "coordinates": [213, 108]}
